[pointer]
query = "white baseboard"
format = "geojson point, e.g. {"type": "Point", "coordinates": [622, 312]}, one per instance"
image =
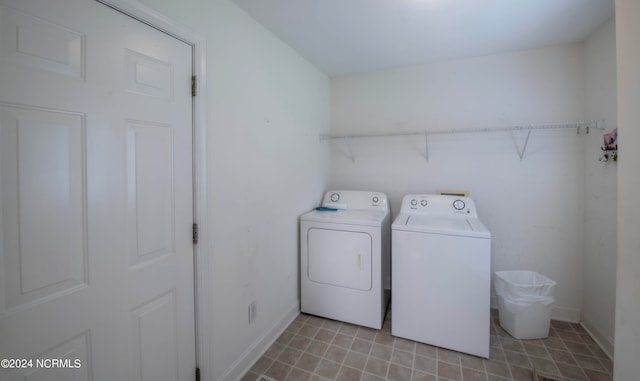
{"type": "Point", "coordinates": [568, 314]}
{"type": "Point", "coordinates": [605, 342]}
{"type": "Point", "coordinates": [255, 351]}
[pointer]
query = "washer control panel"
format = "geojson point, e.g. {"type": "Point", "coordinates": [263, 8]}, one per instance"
{"type": "Point", "coordinates": [340, 199]}
{"type": "Point", "coordinates": [439, 205]}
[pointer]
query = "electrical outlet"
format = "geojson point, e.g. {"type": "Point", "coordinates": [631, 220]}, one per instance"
{"type": "Point", "coordinates": [253, 311]}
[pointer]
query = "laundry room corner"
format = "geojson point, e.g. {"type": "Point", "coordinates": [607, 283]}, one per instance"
{"type": "Point", "coordinates": [532, 203]}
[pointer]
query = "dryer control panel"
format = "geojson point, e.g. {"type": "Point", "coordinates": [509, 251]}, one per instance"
{"type": "Point", "coordinates": [361, 200]}
{"type": "Point", "coordinates": [439, 205]}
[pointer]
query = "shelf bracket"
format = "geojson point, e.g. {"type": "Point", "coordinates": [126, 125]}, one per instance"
{"type": "Point", "coordinates": [350, 155]}
{"type": "Point", "coordinates": [524, 146]}
{"type": "Point", "coordinates": [426, 146]}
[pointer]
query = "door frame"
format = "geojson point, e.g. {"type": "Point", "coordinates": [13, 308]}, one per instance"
{"type": "Point", "coordinates": [202, 265]}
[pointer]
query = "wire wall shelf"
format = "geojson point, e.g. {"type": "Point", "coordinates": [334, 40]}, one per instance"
{"type": "Point", "coordinates": [579, 127]}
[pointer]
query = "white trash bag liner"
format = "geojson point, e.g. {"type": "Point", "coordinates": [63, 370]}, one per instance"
{"type": "Point", "coordinates": [524, 284]}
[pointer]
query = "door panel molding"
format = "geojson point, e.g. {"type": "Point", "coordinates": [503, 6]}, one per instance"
{"type": "Point", "coordinates": [43, 45]}
{"type": "Point", "coordinates": [34, 138]}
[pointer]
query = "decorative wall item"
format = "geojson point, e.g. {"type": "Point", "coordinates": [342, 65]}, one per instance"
{"type": "Point", "coordinates": [610, 147]}
{"type": "Point", "coordinates": [611, 140]}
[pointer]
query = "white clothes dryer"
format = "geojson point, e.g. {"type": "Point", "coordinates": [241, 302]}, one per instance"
{"type": "Point", "coordinates": [345, 258]}
{"type": "Point", "coordinates": [441, 274]}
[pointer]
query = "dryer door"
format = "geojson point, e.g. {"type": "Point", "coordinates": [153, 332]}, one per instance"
{"type": "Point", "coordinates": [339, 258]}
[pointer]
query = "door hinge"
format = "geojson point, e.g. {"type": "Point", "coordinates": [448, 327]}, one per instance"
{"type": "Point", "coordinates": [194, 233]}
{"type": "Point", "coordinates": [197, 374]}
{"type": "Point", "coordinates": [194, 86]}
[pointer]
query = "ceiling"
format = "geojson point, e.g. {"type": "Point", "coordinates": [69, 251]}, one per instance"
{"type": "Point", "coordinates": [343, 37]}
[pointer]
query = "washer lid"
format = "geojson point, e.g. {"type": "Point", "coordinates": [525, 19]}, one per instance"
{"type": "Point", "coordinates": [351, 217]}
{"type": "Point", "coordinates": [448, 226]}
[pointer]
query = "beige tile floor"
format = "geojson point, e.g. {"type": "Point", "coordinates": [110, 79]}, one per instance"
{"type": "Point", "coordinates": [318, 349]}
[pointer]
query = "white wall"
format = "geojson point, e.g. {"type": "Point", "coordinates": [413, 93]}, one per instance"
{"type": "Point", "coordinates": [534, 207]}
{"type": "Point", "coordinates": [267, 107]}
{"type": "Point", "coordinates": [601, 197]}
{"type": "Point", "coordinates": [627, 337]}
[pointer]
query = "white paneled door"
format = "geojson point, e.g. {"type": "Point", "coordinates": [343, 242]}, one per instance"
{"type": "Point", "coordinates": [96, 253]}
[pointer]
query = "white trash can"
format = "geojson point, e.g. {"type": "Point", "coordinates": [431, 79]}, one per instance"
{"type": "Point", "coordinates": [525, 299]}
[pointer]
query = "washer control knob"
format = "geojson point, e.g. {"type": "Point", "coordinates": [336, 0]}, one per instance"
{"type": "Point", "coordinates": [375, 199]}
{"type": "Point", "coordinates": [414, 202]}
{"type": "Point", "coordinates": [458, 204]}
{"type": "Point", "coordinates": [423, 202]}
{"type": "Point", "coordinates": [335, 197]}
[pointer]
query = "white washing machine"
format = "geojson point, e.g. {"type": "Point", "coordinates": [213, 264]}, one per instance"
{"type": "Point", "coordinates": [441, 272]}
{"type": "Point", "coordinates": [345, 258]}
